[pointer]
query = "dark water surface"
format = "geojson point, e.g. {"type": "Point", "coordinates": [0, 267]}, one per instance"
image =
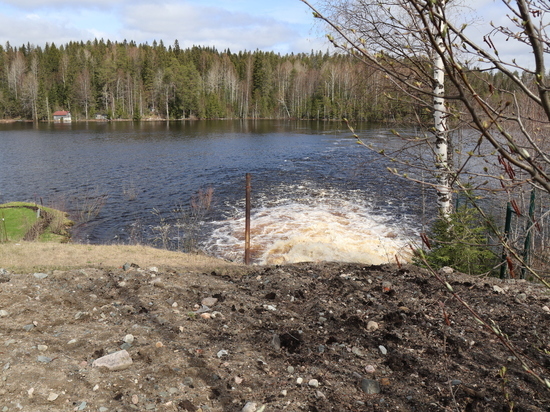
{"type": "Point", "coordinates": [316, 193]}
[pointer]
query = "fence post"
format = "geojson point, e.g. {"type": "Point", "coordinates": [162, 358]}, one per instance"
{"type": "Point", "coordinates": [507, 226]}
{"type": "Point", "coordinates": [247, 223]}
{"type": "Point", "coordinates": [529, 228]}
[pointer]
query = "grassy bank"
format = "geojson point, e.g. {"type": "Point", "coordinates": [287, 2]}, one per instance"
{"type": "Point", "coordinates": [42, 256]}
{"type": "Point", "coordinates": [31, 222]}
{"type": "Point", "coordinates": [34, 238]}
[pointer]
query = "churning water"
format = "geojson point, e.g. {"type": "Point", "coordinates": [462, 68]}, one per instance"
{"type": "Point", "coordinates": [316, 194]}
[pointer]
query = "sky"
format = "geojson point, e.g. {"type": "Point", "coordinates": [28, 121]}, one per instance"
{"type": "Point", "coordinates": [282, 26]}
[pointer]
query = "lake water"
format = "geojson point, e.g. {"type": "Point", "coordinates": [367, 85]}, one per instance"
{"type": "Point", "coordinates": [316, 194]}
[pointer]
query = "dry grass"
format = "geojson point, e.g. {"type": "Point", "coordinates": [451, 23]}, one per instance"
{"type": "Point", "coordinates": [33, 256]}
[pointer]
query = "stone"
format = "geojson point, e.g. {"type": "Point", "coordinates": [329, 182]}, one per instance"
{"type": "Point", "coordinates": [53, 396]}
{"type": "Point", "coordinates": [42, 348]}
{"type": "Point", "coordinates": [521, 297]}
{"type": "Point", "coordinates": [249, 407]}
{"type": "Point", "coordinates": [383, 350]}
{"type": "Point", "coordinates": [299, 381]}
{"type": "Point", "coordinates": [44, 359]}
{"type": "Point", "coordinates": [129, 339]}
{"type": "Point", "coordinates": [370, 386]}
{"type": "Point", "coordinates": [40, 275]}
{"type": "Point", "coordinates": [290, 369]}
{"type": "Point", "coordinates": [357, 351]}
{"type": "Point", "coordinates": [370, 369]}
{"type": "Point", "coordinates": [222, 353]}
{"type": "Point", "coordinates": [158, 282]}
{"type": "Point", "coordinates": [209, 301]}
{"type": "Point", "coordinates": [276, 342]}
{"type": "Point", "coordinates": [446, 270]}
{"type": "Point", "coordinates": [29, 327]}
{"type": "Point", "coordinates": [3, 313]}
{"type": "Point", "coordinates": [115, 361]}
{"type": "Point", "coordinates": [372, 326]}
{"type": "Point", "coordinates": [498, 289]}
{"type": "Point", "coordinates": [314, 383]}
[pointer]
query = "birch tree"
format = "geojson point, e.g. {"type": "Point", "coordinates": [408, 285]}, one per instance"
{"type": "Point", "coordinates": [409, 50]}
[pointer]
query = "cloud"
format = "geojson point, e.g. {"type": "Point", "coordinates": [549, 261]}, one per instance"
{"type": "Point", "coordinates": [200, 25]}
{"type": "Point", "coordinates": [235, 24]}
{"type": "Point", "coordinates": [37, 31]}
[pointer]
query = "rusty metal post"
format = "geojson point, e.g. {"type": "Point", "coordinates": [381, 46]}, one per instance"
{"type": "Point", "coordinates": [247, 223]}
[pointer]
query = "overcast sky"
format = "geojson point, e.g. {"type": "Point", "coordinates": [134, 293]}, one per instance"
{"type": "Point", "coordinates": [279, 25]}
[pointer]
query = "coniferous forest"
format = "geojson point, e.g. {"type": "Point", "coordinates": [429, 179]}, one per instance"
{"type": "Point", "coordinates": [124, 80]}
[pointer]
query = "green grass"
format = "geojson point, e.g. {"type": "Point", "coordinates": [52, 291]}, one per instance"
{"type": "Point", "coordinates": [21, 221]}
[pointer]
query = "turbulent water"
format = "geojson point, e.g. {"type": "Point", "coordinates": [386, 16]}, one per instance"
{"type": "Point", "coordinates": [316, 194]}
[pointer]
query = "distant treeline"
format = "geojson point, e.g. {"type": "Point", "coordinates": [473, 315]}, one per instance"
{"type": "Point", "coordinates": [123, 80]}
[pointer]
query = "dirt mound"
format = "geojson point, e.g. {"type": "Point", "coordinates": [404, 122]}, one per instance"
{"type": "Point", "coordinates": [304, 337]}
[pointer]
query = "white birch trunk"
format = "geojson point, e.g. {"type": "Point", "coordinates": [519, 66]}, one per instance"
{"type": "Point", "coordinates": [440, 126]}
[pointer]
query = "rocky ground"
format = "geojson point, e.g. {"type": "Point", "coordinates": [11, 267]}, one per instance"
{"type": "Point", "coordinates": [304, 337]}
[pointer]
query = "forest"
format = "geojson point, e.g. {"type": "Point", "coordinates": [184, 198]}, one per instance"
{"type": "Point", "coordinates": [123, 80]}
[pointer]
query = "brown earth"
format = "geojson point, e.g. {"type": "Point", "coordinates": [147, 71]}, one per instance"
{"type": "Point", "coordinates": [270, 328]}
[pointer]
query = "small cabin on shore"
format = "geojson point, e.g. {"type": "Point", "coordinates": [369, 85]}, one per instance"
{"type": "Point", "coordinates": [62, 116]}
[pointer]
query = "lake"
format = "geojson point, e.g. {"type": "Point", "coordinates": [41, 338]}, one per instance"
{"type": "Point", "coordinates": [316, 194]}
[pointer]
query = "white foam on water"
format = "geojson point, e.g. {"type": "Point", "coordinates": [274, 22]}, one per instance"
{"type": "Point", "coordinates": [327, 230]}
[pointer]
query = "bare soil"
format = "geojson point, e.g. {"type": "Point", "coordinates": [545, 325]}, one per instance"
{"type": "Point", "coordinates": [286, 338]}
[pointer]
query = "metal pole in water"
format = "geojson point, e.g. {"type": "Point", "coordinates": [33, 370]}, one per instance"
{"type": "Point", "coordinates": [247, 223]}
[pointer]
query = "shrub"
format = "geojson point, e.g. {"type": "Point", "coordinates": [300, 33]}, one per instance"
{"type": "Point", "coordinates": [461, 242]}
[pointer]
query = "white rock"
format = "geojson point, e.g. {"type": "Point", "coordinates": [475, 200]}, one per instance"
{"type": "Point", "coordinates": [153, 269]}
{"type": "Point", "coordinates": [314, 383]}
{"type": "Point", "coordinates": [114, 362]}
{"type": "Point", "coordinates": [383, 349]}
{"type": "Point", "coordinates": [299, 381]}
{"type": "Point", "coordinates": [53, 396]}
{"type": "Point", "coordinates": [372, 326]}
{"type": "Point", "coordinates": [3, 313]}
{"type": "Point", "coordinates": [129, 338]}
{"type": "Point", "coordinates": [42, 348]}
{"type": "Point", "coordinates": [498, 289]}
{"type": "Point", "coordinates": [249, 407]}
